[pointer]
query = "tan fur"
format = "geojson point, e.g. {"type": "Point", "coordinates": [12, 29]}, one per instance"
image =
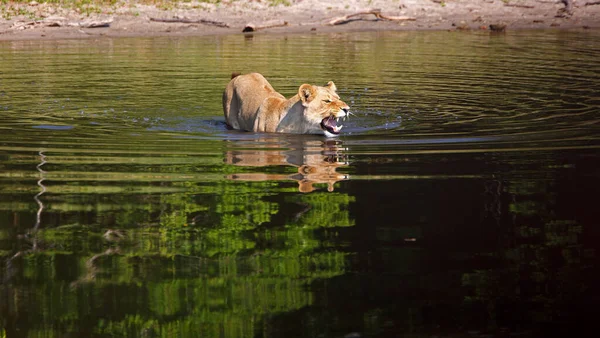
{"type": "Point", "coordinates": [250, 103]}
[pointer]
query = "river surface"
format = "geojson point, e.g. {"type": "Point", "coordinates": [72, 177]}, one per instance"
{"type": "Point", "coordinates": [461, 199]}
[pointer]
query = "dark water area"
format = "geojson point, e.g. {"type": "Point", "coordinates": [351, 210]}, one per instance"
{"type": "Point", "coordinates": [459, 201]}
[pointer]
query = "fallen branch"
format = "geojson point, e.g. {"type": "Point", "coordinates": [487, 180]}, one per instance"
{"type": "Point", "coordinates": [24, 25]}
{"type": "Point", "coordinates": [592, 3]}
{"type": "Point", "coordinates": [184, 20]}
{"type": "Point", "coordinates": [60, 22]}
{"type": "Point", "coordinates": [377, 12]}
{"type": "Point", "coordinates": [89, 24]}
{"type": "Point", "coordinates": [250, 27]}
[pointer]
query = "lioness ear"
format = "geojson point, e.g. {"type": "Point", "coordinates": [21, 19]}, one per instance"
{"type": "Point", "coordinates": [332, 86]}
{"type": "Point", "coordinates": [307, 93]}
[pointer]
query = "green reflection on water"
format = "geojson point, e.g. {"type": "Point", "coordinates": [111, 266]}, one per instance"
{"type": "Point", "coordinates": [161, 243]}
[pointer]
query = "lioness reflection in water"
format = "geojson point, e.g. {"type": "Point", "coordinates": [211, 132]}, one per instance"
{"type": "Point", "coordinates": [317, 161]}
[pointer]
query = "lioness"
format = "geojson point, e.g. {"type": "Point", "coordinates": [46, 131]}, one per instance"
{"type": "Point", "coordinates": [250, 103]}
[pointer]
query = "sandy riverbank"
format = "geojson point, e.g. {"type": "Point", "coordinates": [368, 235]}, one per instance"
{"type": "Point", "coordinates": [37, 20]}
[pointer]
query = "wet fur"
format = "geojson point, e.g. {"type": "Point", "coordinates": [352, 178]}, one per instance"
{"type": "Point", "coordinates": [250, 103]}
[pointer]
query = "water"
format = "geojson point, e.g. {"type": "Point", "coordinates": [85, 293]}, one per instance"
{"type": "Point", "coordinates": [459, 201]}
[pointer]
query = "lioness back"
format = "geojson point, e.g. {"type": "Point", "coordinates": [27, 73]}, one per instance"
{"type": "Point", "coordinates": [250, 103]}
{"type": "Point", "coordinates": [243, 97]}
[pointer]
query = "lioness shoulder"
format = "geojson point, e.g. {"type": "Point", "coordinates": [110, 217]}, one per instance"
{"type": "Point", "coordinates": [250, 103]}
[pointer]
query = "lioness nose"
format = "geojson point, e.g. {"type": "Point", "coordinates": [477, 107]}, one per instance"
{"type": "Point", "coordinates": [345, 109]}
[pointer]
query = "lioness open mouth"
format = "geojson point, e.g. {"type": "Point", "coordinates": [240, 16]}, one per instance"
{"type": "Point", "coordinates": [330, 124]}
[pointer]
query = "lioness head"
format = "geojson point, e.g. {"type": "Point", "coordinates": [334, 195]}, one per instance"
{"type": "Point", "coordinates": [323, 107]}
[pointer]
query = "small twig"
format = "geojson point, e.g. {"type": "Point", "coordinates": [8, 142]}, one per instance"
{"type": "Point", "coordinates": [567, 11]}
{"type": "Point", "coordinates": [183, 20]}
{"type": "Point", "coordinates": [592, 3]}
{"type": "Point", "coordinates": [568, 6]}
{"type": "Point", "coordinates": [518, 6]}
{"type": "Point", "coordinates": [377, 12]}
{"type": "Point", "coordinates": [250, 27]}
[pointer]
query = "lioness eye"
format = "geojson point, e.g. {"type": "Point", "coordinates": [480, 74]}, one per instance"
{"type": "Point", "coordinates": [328, 101]}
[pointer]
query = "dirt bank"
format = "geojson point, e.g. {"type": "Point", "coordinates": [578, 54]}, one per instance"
{"type": "Point", "coordinates": [36, 20]}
